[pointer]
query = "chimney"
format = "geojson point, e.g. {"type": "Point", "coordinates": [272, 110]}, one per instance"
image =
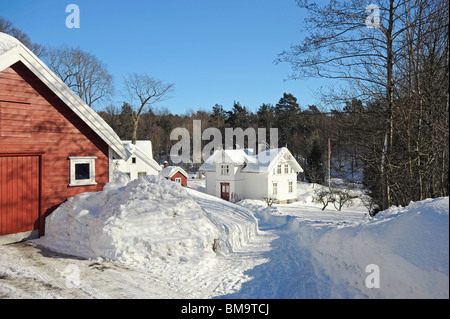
{"type": "Point", "coordinates": [166, 164]}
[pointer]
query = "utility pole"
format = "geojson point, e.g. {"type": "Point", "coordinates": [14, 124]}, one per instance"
{"type": "Point", "coordinates": [329, 163]}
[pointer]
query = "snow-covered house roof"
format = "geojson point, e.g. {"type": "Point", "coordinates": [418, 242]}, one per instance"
{"type": "Point", "coordinates": [142, 149]}
{"type": "Point", "coordinates": [237, 157]}
{"type": "Point", "coordinates": [262, 162]}
{"type": "Point", "coordinates": [13, 51]}
{"type": "Point", "coordinates": [169, 171]}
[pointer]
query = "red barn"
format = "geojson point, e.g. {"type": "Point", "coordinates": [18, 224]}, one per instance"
{"type": "Point", "coordinates": [174, 173]}
{"type": "Point", "coordinates": [52, 145]}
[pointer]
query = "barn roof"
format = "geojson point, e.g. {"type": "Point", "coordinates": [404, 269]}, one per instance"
{"type": "Point", "coordinates": [12, 51]}
{"type": "Point", "coordinates": [169, 171]}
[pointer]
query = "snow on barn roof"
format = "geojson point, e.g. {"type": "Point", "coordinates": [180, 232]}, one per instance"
{"type": "Point", "coordinates": [262, 162]}
{"type": "Point", "coordinates": [7, 42]}
{"type": "Point", "coordinates": [169, 171]}
{"type": "Point", "coordinates": [13, 51]}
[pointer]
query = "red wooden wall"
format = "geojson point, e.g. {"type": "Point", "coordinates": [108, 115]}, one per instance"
{"type": "Point", "coordinates": [34, 119]}
{"type": "Point", "coordinates": [183, 178]}
{"type": "Point", "coordinates": [19, 189]}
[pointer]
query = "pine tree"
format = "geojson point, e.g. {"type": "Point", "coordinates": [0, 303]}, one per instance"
{"type": "Point", "coordinates": [287, 112]}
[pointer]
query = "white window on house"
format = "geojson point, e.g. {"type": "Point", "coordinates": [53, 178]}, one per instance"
{"type": "Point", "coordinates": [291, 187]}
{"type": "Point", "coordinates": [279, 169]}
{"type": "Point", "coordinates": [140, 174]}
{"type": "Point", "coordinates": [225, 170]}
{"type": "Point", "coordinates": [286, 168]}
{"type": "Point", "coordinates": [275, 189]}
{"type": "Point", "coordinates": [82, 170]}
{"type": "Point", "coordinates": [178, 179]}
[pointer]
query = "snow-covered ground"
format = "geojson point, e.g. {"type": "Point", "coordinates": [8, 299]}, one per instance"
{"type": "Point", "coordinates": [151, 238]}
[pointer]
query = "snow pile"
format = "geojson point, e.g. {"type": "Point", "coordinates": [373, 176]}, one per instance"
{"type": "Point", "coordinates": [133, 223]}
{"type": "Point", "coordinates": [408, 247]}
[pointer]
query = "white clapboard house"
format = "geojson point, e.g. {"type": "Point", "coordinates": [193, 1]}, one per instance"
{"type": "Point", "coordinates": [239, 174]}
{"type": "Point", "coordinates": [140, 163]}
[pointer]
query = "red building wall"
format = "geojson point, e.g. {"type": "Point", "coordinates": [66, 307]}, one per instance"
{"type": "Point", "coordinates": [179, 175]}
{"type": "Point", "coordinates": [34, 119]}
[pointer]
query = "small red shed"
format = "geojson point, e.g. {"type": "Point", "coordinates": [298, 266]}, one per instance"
{"type": "Point", "coordinates": [175, 173]}
{"type": "Point", "coordinates": [52, 145]}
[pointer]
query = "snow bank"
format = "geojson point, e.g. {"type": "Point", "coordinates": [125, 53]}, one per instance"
{"type": "Point", "coordinates": [409, 246]}
{"type": "Point", "coordinates": [133, 223]}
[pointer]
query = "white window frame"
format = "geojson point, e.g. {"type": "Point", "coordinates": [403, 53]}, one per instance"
{"type": "Point", "coordinates": [141, 174]}
{"type": "Point", "coordinates": [279, 169]}
{"type": "Point", "coordinates": [275, 189]}
{"type": "Point", "coordinates": [286, 168]}
{"type": "Point", "coordinates": [225, 169]}
{"type": "Point", "coordinates": [290, 187]}
{"type": "Point", "coordinates": [82, 160]}
{"type": "Point", "coordinates": [178, 179]}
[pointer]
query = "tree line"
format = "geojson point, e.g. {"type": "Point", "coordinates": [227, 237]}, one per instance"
{"type": "Point", "coordinates": [303, 131]}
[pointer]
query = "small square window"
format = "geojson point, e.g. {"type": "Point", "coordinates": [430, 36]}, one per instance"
{"type": "Point", "coordinates": [82, 170]}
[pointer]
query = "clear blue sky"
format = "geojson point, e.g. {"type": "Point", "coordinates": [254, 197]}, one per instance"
{"type": "Point", "coordinates": [214, 51]}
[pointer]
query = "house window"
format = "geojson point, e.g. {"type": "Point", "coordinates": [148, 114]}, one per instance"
{"type": "Point", "coordinates": [279, 169]}
{"type": "Point", "coordinates": [225, 170]}
{"type": "Point", "coordinates": [286, 168]}
{"type": "Point", "coordinates": [291, 187]}
{"type": "Point", "coordinates": [82, 170]}
{"type": "Point", "coordinates": [133, 160]}
{"type": "Point", "coordinates": [178, 179]}
{"type": "Point", "coordinates": [275, 189]}
{"type": "Point", "coordinates": [140, 174]}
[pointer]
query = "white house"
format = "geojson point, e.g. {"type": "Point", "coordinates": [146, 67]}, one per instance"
{"type": "Point", "coordinates": [239, 174]}
{"type": "Point", "coordinates": [140, 163]}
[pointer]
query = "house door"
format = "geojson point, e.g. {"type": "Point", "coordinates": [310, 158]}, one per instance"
{"type": "Point", "coordinates": [19, 193]}
{"type": "Point", "coordinates": [225, 191]}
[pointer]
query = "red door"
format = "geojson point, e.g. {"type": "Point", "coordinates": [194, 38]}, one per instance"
{"type": "Point", "coordinates": [19, 193]}
{"type": "Point", "coordinates": [225, 191]}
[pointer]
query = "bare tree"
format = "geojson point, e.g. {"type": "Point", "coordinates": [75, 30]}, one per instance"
{"type": "Point", "coordinates": [144, 91]}
{"type": "Point", "coordinates": [397, 66]}
{"type": "Point", "coordinates": [6, 26]}
{"type": "Point", "coordinates": [83, 72]}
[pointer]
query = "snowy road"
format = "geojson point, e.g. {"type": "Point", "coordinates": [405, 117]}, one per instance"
{"type": "Point", "coordinates": [297, 251]}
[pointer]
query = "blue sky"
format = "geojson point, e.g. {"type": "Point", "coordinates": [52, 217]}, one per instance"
{"type": "Point", "coordinates": [214, 51]}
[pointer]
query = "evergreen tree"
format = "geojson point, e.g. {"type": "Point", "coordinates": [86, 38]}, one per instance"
{"type": "Point", "coordinates": [125, 126]}
{"type": "Point", "coordinates": [238, 116]}
{"type": "Point", "coordinates": [315, 171]}
{"type": "Point", "coordinates": [287, 112]}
